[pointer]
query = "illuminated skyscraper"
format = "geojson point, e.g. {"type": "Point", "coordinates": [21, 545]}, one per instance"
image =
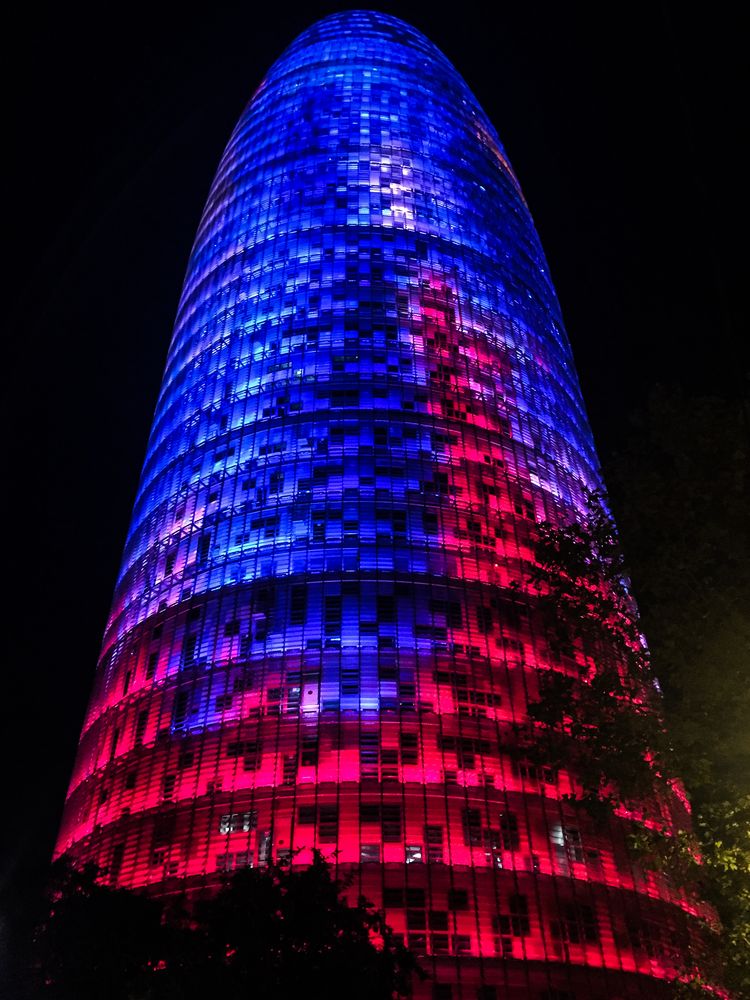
{"type": "Point", "coordinates": [322, 633]}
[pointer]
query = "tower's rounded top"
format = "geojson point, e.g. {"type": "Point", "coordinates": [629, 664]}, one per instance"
{"type": "Point", "coordinates": [366, 25]}
{"type": "Point", "coordinates": [366, 33]}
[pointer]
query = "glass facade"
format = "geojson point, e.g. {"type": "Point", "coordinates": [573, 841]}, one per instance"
{"type": "Point", "coordinates": [322, 634]}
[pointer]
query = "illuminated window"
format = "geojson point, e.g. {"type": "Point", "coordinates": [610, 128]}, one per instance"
{"type": "Point", "coordinates": [237, 822]}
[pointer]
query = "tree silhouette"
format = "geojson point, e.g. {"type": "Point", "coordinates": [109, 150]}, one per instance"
{"type": "Point", "coordinates": [682, 497]}
{"type": "Point", "coordinates": [679, 488]}
{"type": "Point", "coordinates": [275, 931]}
{"type": "Point", "coordinates": [599, 715]}
{"type": "Point", "coordinates": [94, 941]}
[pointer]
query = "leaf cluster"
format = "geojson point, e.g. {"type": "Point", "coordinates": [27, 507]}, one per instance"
{"type": "Point", "coordinates": [680, 487]}
{"type": "Point", "coordinates": [680, 492]}
{"type": "Point", "coordinates": [600, 714]}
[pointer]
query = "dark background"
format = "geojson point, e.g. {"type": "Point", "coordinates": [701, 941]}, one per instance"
{"type": "Point", "coordinates": [624, 123]}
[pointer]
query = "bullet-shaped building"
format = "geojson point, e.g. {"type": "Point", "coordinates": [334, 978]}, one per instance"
{"type": "Point", "coordinates": [323, 633]}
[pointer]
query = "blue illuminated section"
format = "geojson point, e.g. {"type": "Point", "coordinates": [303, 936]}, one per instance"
{"type": "Point", "coordinates": [362, 171]}
{"type": "Point", "coordinates": [323, 633]}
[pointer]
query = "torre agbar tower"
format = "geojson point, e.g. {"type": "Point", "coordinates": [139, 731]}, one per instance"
{"type": "Point", "coordinates": [323, 634]}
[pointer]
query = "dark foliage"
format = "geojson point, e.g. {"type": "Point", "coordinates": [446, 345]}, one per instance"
{"type": "Point", "coordinates": [680, 489]}
{"type": "Point", "coordinates": [598, 714]}
{"type": "Point", "coordinates": [268, 932]}
{"type": "Point", "coordinates": [680, 493]}
{"type": "Point", "coordinates": [94, 941]}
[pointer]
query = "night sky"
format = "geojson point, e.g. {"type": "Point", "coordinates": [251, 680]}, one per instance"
{"type": "Point", "coordinates": [624, 123]}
